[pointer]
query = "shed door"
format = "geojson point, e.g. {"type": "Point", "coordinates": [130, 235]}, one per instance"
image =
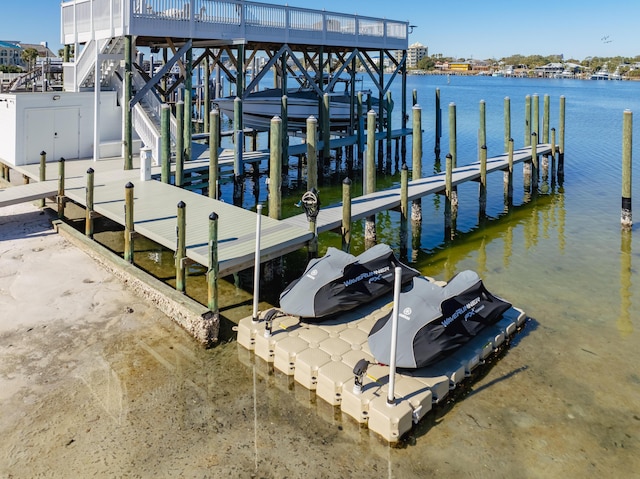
{"type": "Point", "coordinates": [54, 131]}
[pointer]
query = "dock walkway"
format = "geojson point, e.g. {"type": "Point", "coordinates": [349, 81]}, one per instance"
{"type": "Point", "coordinates": [155, 213]}
{"type": "Point", "coordinates": [331, 218]}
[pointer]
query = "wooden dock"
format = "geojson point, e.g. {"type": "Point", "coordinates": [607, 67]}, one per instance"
{"type": "Point", "coordinates": [363, 206]}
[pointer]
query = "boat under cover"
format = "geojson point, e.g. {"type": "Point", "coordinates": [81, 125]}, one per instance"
{"type": "Point", "coordinates": [434, 321]}
{"type": "Point", "coordinates": [339, 282]}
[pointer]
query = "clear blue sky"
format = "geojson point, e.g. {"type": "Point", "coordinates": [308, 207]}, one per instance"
{"type": "Point", "coordinates": [459, 28]}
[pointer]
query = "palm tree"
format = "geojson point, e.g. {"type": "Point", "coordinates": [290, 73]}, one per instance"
{"type": "Point", "coordinates": [29, 56]}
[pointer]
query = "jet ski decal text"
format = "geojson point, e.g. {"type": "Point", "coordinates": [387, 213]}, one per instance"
{"type": "Point", "coordinates": [368, 275]}
{"type": "Point", "coordinates": [467, 310]}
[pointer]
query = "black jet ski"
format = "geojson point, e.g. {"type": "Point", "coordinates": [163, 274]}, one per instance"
{"type": "Point", "coordinates": [339, 282]}
{"type": "Point", "coordinates": [434, 321]}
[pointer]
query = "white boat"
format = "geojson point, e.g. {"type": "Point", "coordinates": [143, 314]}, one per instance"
{"type": "Point", "coordinates": [259, 108]}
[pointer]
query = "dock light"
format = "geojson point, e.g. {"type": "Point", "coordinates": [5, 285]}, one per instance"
{"type": "Point", "coordinates": [359, 370]}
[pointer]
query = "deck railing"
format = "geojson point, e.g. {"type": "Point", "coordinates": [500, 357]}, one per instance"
{"type": "Point", "coordinates": [83, 20]}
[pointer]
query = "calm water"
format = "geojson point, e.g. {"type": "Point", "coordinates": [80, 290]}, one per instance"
{"type": "Point", "coordinates": [563, 402]}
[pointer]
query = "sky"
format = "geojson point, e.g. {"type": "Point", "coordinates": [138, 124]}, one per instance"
{"type": "Point", "coordinates": [455, 28]}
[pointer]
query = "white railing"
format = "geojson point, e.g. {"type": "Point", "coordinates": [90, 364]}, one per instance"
{"type": "Point", "coordinates": [220, 19]}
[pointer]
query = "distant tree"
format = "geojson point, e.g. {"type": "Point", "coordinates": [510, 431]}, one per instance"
{"type": "Point", "coordinates": [10, 69]}
{"type": "Point", "coordinates": [29, 56]}
{"type": "Point", "coordinates": [426, 63]}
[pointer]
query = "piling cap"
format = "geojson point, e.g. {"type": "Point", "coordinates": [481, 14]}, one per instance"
{"type": "Point", "coordinates": [129, 185]}
{"type": "Point", "coordinates": [182, 204]}
{"type": "Point", "coordinates": [43, 153]}
{"type": "Point", "coordinates": [90, 171]}
{"type": "Point", "coordinates": [213, 216]}
{"type": "Point", "coordinates": [346, 181]}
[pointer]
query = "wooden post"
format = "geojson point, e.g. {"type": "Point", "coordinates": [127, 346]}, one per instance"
{"type": "Point", "coordinates": [527, 121]}
{"type": "Point", "coordinates": [181, 248]}
{"type": "Point", "coordinates": [438, 114]}
{"type": "Point", "coordinates": [507, 122]}
{"type": "Point", "coordinates": [212, 271]}
{"type": "Point", "coordinates": [88, 228]}
{"type": "Point", "coordinates": [448, 194]}
{"type": "Point", "coordinates": [60, 197]}
{"type": "Point", "coordinates": [416, 166]}
{"type": "Point", "coordinates": [483, 180]}
{"type": "Point", "coordinates": [346, 215]}
{"type": "Point", "coordinates": [238, 145]}
{"type": "Point", "coordinates": [326, 130]}
{"type": "Point", "coordinates": [128, 222]}
{"type": "Point", "coordinates": [180, 146]}
{"type": "Point", "coordinates": [275, 168]}
{"type": "Point", "coordinates": [360, 136]}
{"type": "Point", "coordinates": [284, 107]}
{"type": "Point", "coordinates": [561, 140]}
{"type": "Point", "coordinates": [43, 172]}
{"type": "Point", "coordinates": [188, 104]}
{"type": "Point", "coordinates": [535, 115]}
{"type": "Point", "coordinates": [128, 95]}
{"type": "Point", "coordinates": [370, 183]}
{"type": "Point", "coordinates": [214, 146]}
{"type": "Point", "coordinates": [404, 209]}
{"type": "Point", "coordinates": [389, 105]}
{"type": "Point", "coordinates": [553, 156]}
{"type": "Point", "coordinates": [414, 97]}
{"type": "Point", "coordinates": [508, 176]}
{"type": "Point", "coordinates": [534, 161]}
{"type": "Point", "coordinates": [312, 153]}
{"type": "Point", "coordinates": [453, 148]}
{"type": "Point", "coordinates": [482, 131]}
{"type": "Point", "coordinates": [207, 91]}
{"type": "Point", "coordinates": [545, 120]}
{"type": "Point", "coordinates": [626, 218]}
{"type": "Point", "coordinates": [165, 147]}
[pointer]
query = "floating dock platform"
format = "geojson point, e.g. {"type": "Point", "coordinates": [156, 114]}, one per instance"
{"type": "Point", "coordinates": [322, 356]}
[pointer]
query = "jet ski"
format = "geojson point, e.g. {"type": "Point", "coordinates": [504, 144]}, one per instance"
{"type": "Point", "coordinates": [434, 321]}
{"type": "Point", "coordinates": [339, 282]}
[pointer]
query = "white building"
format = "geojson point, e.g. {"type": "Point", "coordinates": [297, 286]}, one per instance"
{"type": "Point", "coordinates": [415, 53]}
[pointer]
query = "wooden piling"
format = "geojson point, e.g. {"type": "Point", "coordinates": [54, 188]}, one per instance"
{"type": "Point", "coordinates": [188, 110]}
{"type": "Point", "coordinates": [545, 119]}
{"type": "Point", "coordinates": [165, 147]}
{"type": "Point", "coordinates": [238, 145]}
{"type": "Point", "coordinates": [626, 218]}
{"type": "Point", "coordinates": [448, 193]}
{"type": "Point", "coordinates": [527, 120]}
{"type": "Point", "coordinates": [213, 269]}
{"type": "Point", "coordinates": [214, 146]}
{"type": "Point", "coordinates": [128, 96]}
{"type": "Point", "coordinates": [453, 142]}
{"type": "Point", "coordinates": [128, 222]}
{"type": "Point", "coordinates": [561, 139]}
{"type": "Point", "coordinates": [207, 92]}
{"type": "Point", "coordinates": [507, 122]}
{"type": "Point", "coordinates": [482, 130]}
{"type": "Point", "coordinates": [404, 209]}
{"type": "Point", "coordinates": [508, 176]}
{"type": "Point", "coordinates": [438, 132]}
{"type": "Point", "coordinates": [389, 107]}
{"type": "Point", "coordinates": [43, 172]}
{"type": "Point", "coordinates": [326, 130]}
{"type": "Point", "coordinates": [60, 198]}
{"type": "Point", "coordinates": [360, 132]}
{"type": "Point", "coordinates": [284, 116]}
{"type": "Point", "coordinates": [275, 168]}
{"type": "Point", "coordinates": [414, 97]}
{"type": "Point", "coordinates": [181, 247]}
{"type": "Point", "coordinates": [312, 153]}
{"type": "Point", "coordinates": [535, 167]}
{"type": "Point", "coordinates": [370, 181]}
{"type": "Point", "coordinates": [180, 119]}
{"type": "Point", "coordinates": [553, 156]}
{"type": "Point", "coordinates": [535, 115]}
{"type": "Point", "coordinates": [88, 227]}
{"type": "Point", "coordinates": [416, 166]}
{"type": "Point", "coordinates": [346, 215]}
{"type": "Point", "coordinates": [483, 180]}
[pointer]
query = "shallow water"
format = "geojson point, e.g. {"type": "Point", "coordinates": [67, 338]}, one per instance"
{"type": "Point", "coordinates": [564, 401]}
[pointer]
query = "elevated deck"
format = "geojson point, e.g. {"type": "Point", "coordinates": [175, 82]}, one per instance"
{"type": "Point", "coordinates": [226, 22]}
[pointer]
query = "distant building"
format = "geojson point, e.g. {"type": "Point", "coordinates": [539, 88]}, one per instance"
{"type": "Point", "coordinates": [10, 53]}
{"type": "Point", "coordinates": [42, 48]}
{"type": "Point", "coordinates": [459, 66]}
{"type": "Point", "coordinates": [415, 53]}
